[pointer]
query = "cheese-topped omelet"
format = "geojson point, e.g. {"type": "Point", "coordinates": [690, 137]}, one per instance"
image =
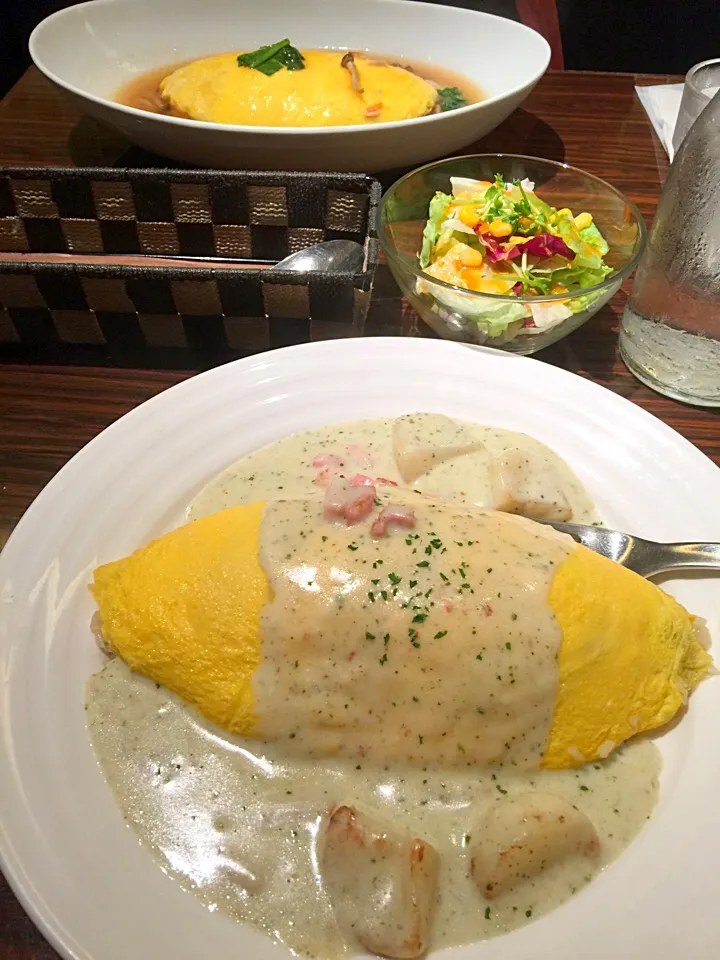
{"type": "Point", "coordinates": [419, 631]}
{"type": "Point", "coordinates": [218, 90]}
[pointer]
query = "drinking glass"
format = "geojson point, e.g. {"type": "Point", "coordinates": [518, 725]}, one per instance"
{"type": "Point", "coordinates": [670, 330]}
{"type": "Point", "coordinates": [702, 82]}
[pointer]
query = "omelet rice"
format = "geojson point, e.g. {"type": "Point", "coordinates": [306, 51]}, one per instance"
{"type": "Point", "coordinates": [185, 610]}
{"type": "Point", "coordinates": [217, 90]}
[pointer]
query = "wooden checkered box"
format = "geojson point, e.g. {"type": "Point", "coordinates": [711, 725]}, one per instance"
{"type": "Point", "coordinates": [168, 316]}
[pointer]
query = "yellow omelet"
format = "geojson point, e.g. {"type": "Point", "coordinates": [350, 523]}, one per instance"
{"type": "Point", "coordinates": [189, 611]}
{"type": "Point", "coordinates": [217, 90]}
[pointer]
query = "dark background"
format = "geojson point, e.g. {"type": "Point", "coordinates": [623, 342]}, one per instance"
{"type": "Point", "coordinates": [638, 36]}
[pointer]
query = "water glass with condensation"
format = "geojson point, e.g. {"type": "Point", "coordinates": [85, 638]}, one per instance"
{"type": "Point", "coordinates": [670, 330]}
{"type": "Point", "coordinates": [702, 82]}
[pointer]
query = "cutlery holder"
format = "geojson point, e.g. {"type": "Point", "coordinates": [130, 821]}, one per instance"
{"type": "Point", "coordinates": [176, 317]}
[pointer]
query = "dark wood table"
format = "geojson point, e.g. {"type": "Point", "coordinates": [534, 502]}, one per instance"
{"type": "Point", "coordinates": [593, 121]}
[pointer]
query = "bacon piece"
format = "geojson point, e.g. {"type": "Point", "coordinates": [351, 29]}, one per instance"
{"type": "Point", "coordinates": [329, 466]}
{"type": "Point", "coordinates": [360, 480]}
{"type": "Point", "coordinates": [328, 460]}
{"type": "Point", "coordinates": [348, 502]}
{"type": "Point", "coordinates": [393, 515]}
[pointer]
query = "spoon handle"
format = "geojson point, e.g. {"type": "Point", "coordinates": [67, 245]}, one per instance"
{"type": "Point", "coordinates": [674, 556]}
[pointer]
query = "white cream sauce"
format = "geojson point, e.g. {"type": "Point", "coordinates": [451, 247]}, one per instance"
{"type": "Point", "coordinates": [284, 469]}
{"type": "Point", "coordinates": [435, 645]}
{"type": "Point", "coordinates": [238, 822]}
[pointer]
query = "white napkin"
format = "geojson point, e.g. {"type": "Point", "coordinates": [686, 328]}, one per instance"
{"type": "Point", "coordinates": [662, 105]}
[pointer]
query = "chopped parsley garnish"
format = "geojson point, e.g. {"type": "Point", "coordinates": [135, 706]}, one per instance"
{"type": "Point", "coordinates": [499, 788]}
{"type": "Point", "coordinates": [394, 578]}
{"type": "Point", "coordinates": [487, 913]}
{"type": "Point", "coordinates": [273, 57]}
{"type": "Point", "coordinates": [383, 594]}
{"type": "Point", "coordinates": [386, 639]}
{"type": "Point", "coordinates": [324, 539]}
{"type": "Point", "coordinates": [376, 581]}
{"type": "Point", "coordinates": [371, 597]}
{"type": "Point", "coordinates": [513, 616]}
{"type": "Point", "coordinates": [419, 618]}
{"type": "Point", "coordinates": [479, 656]}
{"type": "Point", "coordinates": [412, 584]}
{"type": "Point", "coordinates": [583, 787]}
{"type": "Point", "coordinates": [423, 563]}
{"type": "Point", "coordinates": [369, 636]}
{"type": "Point", "coordinates": [444, 578]}
{"type": "Point", "coordinates": [353, 546]}
{"type": "Point", "coordinates": [383, 660]}
{"type": "Point", "coordinates": [420, 739]}
{"type": "Point", "coordinates": [440, 634]}
{"type": "Point", "coordinates": [528, 913]}
{"type": "Point", "coordinates": [508, 645]}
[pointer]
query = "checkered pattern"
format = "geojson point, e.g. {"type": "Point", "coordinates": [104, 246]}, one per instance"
{"type": "Point", "coordinates": [138, 314]}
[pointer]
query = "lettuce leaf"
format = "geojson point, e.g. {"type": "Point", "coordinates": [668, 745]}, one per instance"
{"type": "Point", "coordinates": [585, 255]}
{"type": "Point", "coordinates": [593, 236]}
{"type": "Point", "coordinates": [576, 276]}
{"type": "Point", "coordinates": [578, 304]}
{"type": "Point", "coordinates": [541, 210]}
{"type": "Point", "coordinates": [436, 216]}
{"type": "Point", "coordinates": [492, 317]}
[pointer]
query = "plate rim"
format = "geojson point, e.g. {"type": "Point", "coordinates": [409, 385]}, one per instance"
{"type": "Point", "coordinates": [19, 880]}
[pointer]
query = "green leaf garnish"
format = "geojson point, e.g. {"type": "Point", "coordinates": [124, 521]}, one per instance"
{"type": "Point", "coordinates": [450, 98]}
{"type": "Point", "coordinates": [273, 57]}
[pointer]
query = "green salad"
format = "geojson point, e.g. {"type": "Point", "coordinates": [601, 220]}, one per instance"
{"type": "Point", "coordinates": [500, 238]}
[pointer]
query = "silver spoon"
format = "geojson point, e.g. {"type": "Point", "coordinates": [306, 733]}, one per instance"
{"type": "Point", "coordinates": [331, 256]}
{"type": "Point", "coordinates": [645, 557]}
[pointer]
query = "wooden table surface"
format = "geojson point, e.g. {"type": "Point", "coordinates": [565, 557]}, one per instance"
{"type": "Point", "coordinates": [593, 121]}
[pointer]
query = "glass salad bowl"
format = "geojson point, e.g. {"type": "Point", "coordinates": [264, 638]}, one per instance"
{"type": "Point", "coordinates": [584, 238]}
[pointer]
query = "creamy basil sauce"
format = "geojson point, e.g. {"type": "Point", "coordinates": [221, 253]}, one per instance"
{"type": "Point", "coordinates": [238, 822]}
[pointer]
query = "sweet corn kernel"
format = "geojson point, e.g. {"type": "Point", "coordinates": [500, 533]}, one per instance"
{"type": "Point", "coordinates": [565, 212]}
{"type": "Point", "coordinates": [498, 228]}
{"type": "Point", "coordinates": [468, 256]}
{"type": "Point", "coordinates": [583, 220]}
{"type": "Point", "coordinates": [468, 215]}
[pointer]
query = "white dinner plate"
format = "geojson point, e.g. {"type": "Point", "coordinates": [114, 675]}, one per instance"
{"type": "Point", "coordinates": [64, 847]}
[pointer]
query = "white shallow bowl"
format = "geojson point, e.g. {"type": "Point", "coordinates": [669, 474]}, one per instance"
{"type": "Point", "coordinates": [64, 847]}
{"type": "Point", "coordinates": [92, 49]}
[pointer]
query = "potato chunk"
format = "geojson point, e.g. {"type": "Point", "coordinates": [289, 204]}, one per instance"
{"type": "Point", "coordinates": [521, 836]}
{"type": "Point", "coordinates": [525, 483]}
{"type": "Point", "coordinates": [423, 440]}
{"type": "Point", "coordinates": [382, 887]}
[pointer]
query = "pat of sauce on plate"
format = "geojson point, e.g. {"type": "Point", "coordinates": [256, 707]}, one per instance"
{"type": "Point", "coordinates": [238, 822]}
